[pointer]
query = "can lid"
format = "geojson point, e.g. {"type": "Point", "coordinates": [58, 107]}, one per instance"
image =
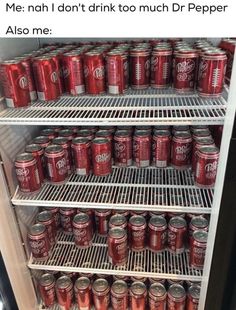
{"type": "Point", "coordinates": [41, 139]}
{"type": "Point", "coordinates": [37, 229]}
{"type": "Point", "coordinates": [157, 221]}
{"type": "Point", "coordinates": [162, 133]}
{"type": "Point", "coordinates": [139, 132]}
{"type": "Point", "coordinates": [59, 140]}
{"type": "Point", "coordinates": [65, 132]}
{"type": "Point", "coordinates": [177, 291]}
{"type": "Point", "coordinates": [46, 279]}
{"type": "Point", "coordinates": [199, 221]}
{"type": "Point", "coordinates": [82, 283]}
{"type": "Point", "coordinates": [80, 140]}
{"type": "Point", "coordinates": [53, 148]}
{"type": "Point", "coordinates": [122, 133]}
{"type": "Point", "coordinates": [11, 62]}
{"type": "Point", "coordinates": [93, 53]}
{"type": "Point", "coordinates": [81, 218]}
{"type": "Point", "coordinates": [182, 134]}
{"type": "Point", "coordinates": [209, 150]}
{"type": "Point", "coordinates": [204, 141]}
{"type": "Point", "coordinates": [157, 290]}
{"type": "Point", "coordinates": [33, 147]}
{"type": "Point", "coordinates": [119, 287]}
{"type": "Point", "coordinates": [138, 288]}
{"type": "Point", "coordinates": [24, 157]}
{"type": "Point", "coordinates": [63, 282]}
{"type": "Point", "coordinates": [47, 132]}
{"type": "Point", "coordinates": [100, 285]}
{"type": "Point", "coordinates": [117, 232]}
{"type": "Point", "coordinates": [100, 140]}
{"type": "Point", "coordinates": [103, 133]}
{"type": "Point", "coordinates": [137, 220]}
{"type": "Point", "coordinates": [44, 216]}
{"type": "Point", "coordinates": [200, 236]}
{"type": "Point", "coordinates": [177, 222]}
{"type": "Point", "coordinates": [118, 219]}
{"type": "Point", "coordinates": [194, 291]}
{"type": "Point", "coordinates": [180, 127]}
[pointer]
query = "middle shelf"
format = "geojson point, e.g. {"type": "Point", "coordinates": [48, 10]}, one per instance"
{"type": "Point", "coordinates": [132, 188]}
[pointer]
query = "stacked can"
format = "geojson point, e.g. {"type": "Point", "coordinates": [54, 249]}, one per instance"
{"type": "Point", "coordinates": [161, 62]}
{"type": "Point", "coordinates": [140, 67]}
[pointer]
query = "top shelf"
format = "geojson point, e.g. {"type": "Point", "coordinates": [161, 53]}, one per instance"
{"type": "Point", "coordinates": [139, 107]}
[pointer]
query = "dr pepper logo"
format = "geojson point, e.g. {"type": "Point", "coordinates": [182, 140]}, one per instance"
{"type": "Point", "coordinates": [23, 82]}
{"type": "Point", "coordinates": [99, 73]}
{"type": "Point", "coordinates": [185, 66]}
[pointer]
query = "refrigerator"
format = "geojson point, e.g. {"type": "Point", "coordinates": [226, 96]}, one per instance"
{"type": "Point", "coordinates": [137, 107]}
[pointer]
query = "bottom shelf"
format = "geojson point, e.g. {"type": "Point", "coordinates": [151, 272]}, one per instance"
{"type": "Point", "coordinates": [65, 256]}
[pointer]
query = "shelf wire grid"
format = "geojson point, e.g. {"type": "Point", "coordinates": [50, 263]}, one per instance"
{"type": "Point", "coordinates": [132, 188]}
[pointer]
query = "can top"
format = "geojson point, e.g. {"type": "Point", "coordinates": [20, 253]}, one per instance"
{"type": "Point", "coordinates": [118, 219]}
{"type": "Point", "coordinates": [157, 221]}
{"type": "Point", "coordinates": [93, 53]}
{"type": "Point", "coordinates": [63, 282]}
{"type": "Point", "coordinates": [200, 236]}
{"type": "Point", "coordinates": [47, 132]}
{"type": "Point", "coordinates": [209, 150]}
{"type": "Point", "coordinates": [142, 133]}
{"type": "Point", "coordinates": [138, 288]}
{"type": "Point", "coordinates": [59, 140]}
{"type": "Point", "coordinates": [37, 229]}
{"type": "Point", "coordinates": [194, 291]}
{"type": "Point", "coordinates": [44, 216]}
{"type": "Point", "coordinates": [53, 148]}
{"type": "Point", "coordinates": [81, 218]}
{"type": "Point", "coordinates": [177, 291]}
{"type": "Point", "coordinates": [82, 283]}
{"type": "Point", "coordinates": [182, 134]}
{"type": "Point", "coordinates": [199, 222]}
{"type": "Point", "coordinates": [11, 62]}
{"type": "Point", "coordinates": [122, 133]}
{"type": "Point", "coordinates": [23, 157]}
{"type": "Point", "coordinates": [76, 52]}
{"type": "Point", "coordinates": [137, 220]}
{"type": "Point", "coordinates": [117, 232]}
{"type": "Point", "coordinates": [33, 148]}
{"type": "Point", "coordinates": [161, 133]}
{"type": "Point", "coordinates": [80, 140]}
{"type": "Point", "coordinates": [103, 133]}
{"type": "Point", "coordinates": [157, 290]}
{"type": "Point", "coordinates": [177, 222]}
{"type": "Point", "coordinates": [119, 287]}
{"type": "Point", "coordinates": [180, 127]}
{"type": "Point", "coordinates": [65, 133]}
{"type": "Point", "coordinates": [204, 140]}
{"type": "Point", "coordinates": [100, 141]}
{"type": "Point", "coordinates": [100, 285]}
{"type": "Point", "coordinates": [46, 279]}
{"type": "Point", "coordinates": [41, 139]}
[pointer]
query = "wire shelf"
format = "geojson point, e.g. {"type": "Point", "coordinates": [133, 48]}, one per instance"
{"type": "Point", "coordinates": [130, 188]}
{"type": "Point", "coordinates": [144, 107]}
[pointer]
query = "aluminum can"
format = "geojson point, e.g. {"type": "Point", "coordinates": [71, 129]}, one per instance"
{"type": "Point", "coordinates": [101, 294]}
{"type": "Point", "coordinates": [157, 233]}
{"type": "Point", "coordinates": [118, 220]}
{"type": "Point", "coordinates": [119, 295]}
{"type": "Point", "coordinates": [57, 58]}
{"type": "Point", "coordinates": [185, 69]}
{"type": "Point", "coordinates": [117, 246]}
{"type": "Point", "coordinates": [56, 164]}
{"type": "Point", "coordinates": [197, 223]}
{"type": "Point", "coordinates": [15, 84]}
{"type": "Point", "coordinates": [140, 68]}
{"type": "Point", "coordinates": [142, 148]}
{"type": "Point", "coordinates": [68, 134]}
{"type": "Point", "coordinates": [64, 291]}
{"type": "Point", "coordinates": [138, 296]}
{"type": "Point", "coordinates": [176, 234]}
{"type": "Point", "coordinates": [206, 167]}
{"type": "Point", "coordinates": [198, 249]}
{"type": "Point", "coordinates": [39, 242]}
{"type": "Point", "coordinates": [161, 145]}
{"type": "Point", "coordinates": [102, 133]}
{"type": "Point", "coordinates": [65, 144]}
{"type": "Point", "coordinates": [47, 291]}
{"type": "Point", "coordinates": [101, 157]}
{"type": "Point", "coordinates": [55, 214]}
{"type": "Point", "coordinates": [83, 293]}
{"type": "Point", "coordinates": [123, 148]}
{"type": "Point", "coordinates": [193, 297]}
{"type": "Point", "coordinates": [203, 133]}
{"type": "Point", "coordinates": [46, 218]}
{"type": "Point", "coordinates": [46, 78]}
{"type": "Point", "coordinates": [137, 232]}
{"type": "Point", "coordinates": [67, 216]}
{"type": "Point", "coordinates": [94, 73]}
{"type": "Point", "coordinates": [42, 141]}
{"type": "Point", "coordinates": [90, 213]}
{"type": "Point", "coordinates": [102, 219]}
{"type": "Point", "coordinates": [81, 152]}
{"type": "Point", "coordinates": [181, 148]}
{"type": "Point", "coordinates": [176, 297]}
{"type": "Point", "coordinates": [48, 132]}
{"type": "Point", "coordinates": [72, 63]}
{"type": "Point", "coordinates": [37, 152]}
{"type": "Point", "coordinates": [161, 62]}
{"type": "Point", "coordinates": [85, 133]}
{"type": "Point", "coordinates": [82, 230]}
{"type": "Point", "coordinates": [27, 173]}
{"type": "Point", "coordinates": [211, 73]}
{"type": "Point", "coordinates": [157, 297]}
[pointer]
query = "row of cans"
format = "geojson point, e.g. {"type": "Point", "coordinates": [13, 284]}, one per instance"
{"type": "Point", "coordinates": [76, 70]}
{"type": "Point", "coordinates": [118, 295]}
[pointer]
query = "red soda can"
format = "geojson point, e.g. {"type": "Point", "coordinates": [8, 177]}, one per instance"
{"type": "Point", "coordinates": [102, 133]}
{"type": "Point", "coordinates": [73, 73]}
{"type": "Point", "coordinates": [46, 78]}
{"type": "Point", "coordinates": [197, 223]}
{"type": "Point", "coordinates": [102, 219]}
{"type": "Point", "coordinates": [89, 212]}
{"type": "Point", "coordinates": [48, 132]}
{"type": "Point", "coordinates": [161, 62]}
{"type": "Point", "coordinates": [123, 148]}
{"type": "Point", "coordinates": [15, 84]}
{"type": "Point", "coordinates": [176, 234]}
{"type": "Point", "coordinates": [211, 73]}
{"type": "Point", "coordinates": [118, 220]}
{"type": "Point", "coordinates": [47, 291]}
{"type": "Point", "coordinates": [42, 141]}
{"type": "Point", "coordinates": [185, 69]}
{"type": "Point", "coordinates": [94, 73]}
{"type": "Point", "coordinates": [181, 147]}
{"type": "Point", "coordinates": [83, 293]}
{"type": "Point", "coordinates": [198, 249]}
{"type": "Point", "coordinates": [157, 233]}
{"type": "Point", "coordinates": [39, 242]}
{"type": "Point", "coordinates": [55, 214]}
{"type": "Point", "coordinates": [85, 133]}
{"type": "Point", "coordinates": [137, 232]}
{"type": "Point", "coordinates": [142, 148]}
{"type": "Point", "coordinates": [176, 297]}
{"type": "Point", "coordinates": [138, 296]}
{"type": "Point", "coordinates": [115, 70]}
{"type": "Point", "coordinates": [57, 58]}
{"type": "Point", "coordinates": [64, 291]}
{"type": "Point", "coordinates": [157, 297]}
{"type": "Point", "coordinates": [101, 296]}
{"type": "Point", "coordinates": [46, 218]}
{"type": "Point", "coordinates": [67, 216]}
{"type": "Point", "coordinates": [140, 68]}
{"type": "Point", "coordinates": [161, 144]}
{"type": "Point", "coordinates": [37, 152]}
{"type": "Point", "coordinates": [82, 230]}
{"type": "Point", "coordinates": [27, 173]}
{"type": "Point", "coordinates": [197, 144]}
{"type": "Point", "coordinates": [206, 167]}
{"type": "Point", "coordinates": [117, 246]}
{"type": "Point", "coordinates": [56, 164]}
{"type": "Point", "coordinates": [65, 144]}
{"type": "Point", "coordinates": [119, 295]}
{"type": "Point", "coordinates": [68, 134]}
{"type": "Point", "coordinates": [101, 157]}
{"type": "Point", "coordinates": [81, 155]}
{"type": "Point", "coordinates": [193, 297]}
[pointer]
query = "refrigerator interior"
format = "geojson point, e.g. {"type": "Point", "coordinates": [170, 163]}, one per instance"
{"type": "Point", "coordinates": [17, 211]}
